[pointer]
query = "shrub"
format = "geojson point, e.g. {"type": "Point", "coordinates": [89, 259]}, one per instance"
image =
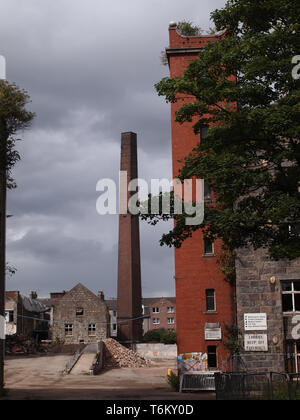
{"type": "Point", "coordinates": [160, 335]}
{"type": "Point", "coordinates": [173, 381]}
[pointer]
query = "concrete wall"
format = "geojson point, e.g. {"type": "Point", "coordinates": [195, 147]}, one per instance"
{"type": "Point", "coordinates": [157, 351]}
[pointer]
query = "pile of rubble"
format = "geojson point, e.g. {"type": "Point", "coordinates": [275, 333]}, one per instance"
{"type": "Point", "coordinates": [117, 355]}
{"type": "Point", "coordinates": [20, 345]}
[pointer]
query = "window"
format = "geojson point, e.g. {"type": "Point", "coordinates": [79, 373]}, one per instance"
{"type": "Point", "coordinates": [212, 356]}
{"type": "Point", "coordinates": [170, 309]}
{"type": "Point", "coordinates": [114, 327]}
{"type": "Point", "coordinates": [69, 329]}
{"type": "Point", "coordinates": [155, 310]}
{"type": "Point", "coordinates": [79, 312]}
{"type": "Point", "coordinates": [92, 329]}
{"type": "Point", "coordinates": [171, 321]}
{"type": "Point", "coordinates": [208, 247]}
{"type": "Point", "coordinates": [114, 313]}
{"type": "Point", "coordinates": [295, 229]}
{"type": "Point", "coordinates": [9, 316]}
{"type": "Point", "coordinates": [210, 300]}
{"type": "Point", "coordinates": [156, 321]}
{"type": "Point", "coordinates": [203, 131]}
{"type": "Point", "coordinates": [291, 296]}
{"type": "Point", "coordinates": [207, 189]}
{"type": "Point", "coordinates": [293, 356]}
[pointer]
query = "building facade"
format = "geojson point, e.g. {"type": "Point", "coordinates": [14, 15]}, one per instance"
{"type": "Point", "coordinates": [268, 308]}
{"type": "Point", "coordinates": [25, 316]}
{"type": "Point", "coordinates": [79, 316]}
{"type": "Point", "coordinates": [205, 301]}
{"type": "Point", "coordinates": [158, 312]}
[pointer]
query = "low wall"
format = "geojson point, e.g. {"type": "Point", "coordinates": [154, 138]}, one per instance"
{"type": "Point", "coordinates": [157, 351]}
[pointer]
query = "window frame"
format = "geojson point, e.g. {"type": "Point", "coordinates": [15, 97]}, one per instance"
{"type": "Point", "coordinates": [210, 353]}
{"type": "Point", "coordinates": [92, 329]}
{"type": "Point", "coordinates": [210, 297]}
{"type": "Point", "coordinates": [170, 309]}
{"type": "Point", "coordinates": [156, 319]}
{"type": "Point", "coordinates": [292, 293]}
{"type": "Point", "coordinates": [205, 241]}
{"type": "Point", "coordinates": [79, 311]}
{"type": "Point", "coordinates": [69, 329]}
{"type": "Point", "coordinates": [171, 323]}
{"type": "Point", "coordinates": [154, 310]}
{"type": "Point", "coordinates": [9, 316]}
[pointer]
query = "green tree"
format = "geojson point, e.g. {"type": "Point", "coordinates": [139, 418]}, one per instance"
{"type": "Point", "coordinates": [13, 118]}
{"type": "Point", "coordinates": [161, 335]}
{"type": "Point", "coordinates": [245, 93]}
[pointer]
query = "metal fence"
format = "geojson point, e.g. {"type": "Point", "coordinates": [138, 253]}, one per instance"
{"type": "Point", "coordinates": [257, 386]}
{"type": "Point", "coordinates": [197, 381]}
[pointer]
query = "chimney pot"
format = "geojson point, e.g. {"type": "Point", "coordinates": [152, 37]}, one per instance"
{"type": "Point", "coordinates": [33, 295]}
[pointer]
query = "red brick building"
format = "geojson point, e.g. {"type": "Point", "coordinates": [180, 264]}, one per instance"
{"type": "Point", "coordinates": [204, 300]}
{"type": "Point", "coordinates": [162, 313]}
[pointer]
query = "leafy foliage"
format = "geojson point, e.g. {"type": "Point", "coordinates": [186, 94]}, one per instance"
{"type": "Point", "coordinates": [13, 118]}
{"type": "Point", "coordinates": [244, 91]}
{"type": "Point", "coordinates": [174, 382]}
{"type": "Point", "coordinates": [232, 335]}
{"type": "Point", "coordinates": [187, 28]}
{"type": "Point", "coordinates": [161, 335]}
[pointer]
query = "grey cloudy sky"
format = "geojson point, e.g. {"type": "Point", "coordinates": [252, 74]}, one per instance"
{"type": "Point", "coordinates": [90, 68]}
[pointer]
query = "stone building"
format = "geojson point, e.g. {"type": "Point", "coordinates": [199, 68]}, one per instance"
{"type": "Point", "coordinates": [25, 316]}
{"type": "Point", "coordinates": [78, 316]}
{"type": "Point", "coordinates": [268, 312]}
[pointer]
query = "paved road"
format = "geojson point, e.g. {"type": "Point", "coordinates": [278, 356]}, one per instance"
{"type": "Point", "coordinates": [40, 378]}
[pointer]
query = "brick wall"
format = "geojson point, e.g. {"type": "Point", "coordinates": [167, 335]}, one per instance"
{"type": "Point", "coordinates": [195, 272]}
{"type": "Point", "coordinates": [162, 315]}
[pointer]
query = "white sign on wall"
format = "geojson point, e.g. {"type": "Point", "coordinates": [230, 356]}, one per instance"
{"type": "Point", "coordinates": [213, 331]}
{"type": "Point", "coordinates": [2, 67]}
{"type": "Point", "coordinates": [213, 334]}
{"type": "Point", "coordinates": [256, 342]}
{"type": "Point", "coordinates": [255, 322]}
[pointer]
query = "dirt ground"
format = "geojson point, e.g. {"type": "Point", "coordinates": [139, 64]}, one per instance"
{"type": "Point", "coordinates": [39, 378]}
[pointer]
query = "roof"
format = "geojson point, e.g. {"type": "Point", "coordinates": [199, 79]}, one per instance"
{"type": "Point", "coordinates": [112, 304]}
{"type": "Point", "coordinates": [153, 300]}
{"type": "Point", "coordinates": [33, 305]}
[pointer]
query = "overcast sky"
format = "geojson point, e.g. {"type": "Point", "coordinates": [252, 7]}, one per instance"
{"type": "Point", "coordinates": [90, 68]}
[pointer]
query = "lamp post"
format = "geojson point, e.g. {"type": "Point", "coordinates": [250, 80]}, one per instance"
{"type": "Point", "coordinates": [3, 139]}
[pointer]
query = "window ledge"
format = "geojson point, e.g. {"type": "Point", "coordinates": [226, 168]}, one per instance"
{"type": "Point", "coordinates": [211, 312]}
{"type": "Point", "coordinates": [208, 255]}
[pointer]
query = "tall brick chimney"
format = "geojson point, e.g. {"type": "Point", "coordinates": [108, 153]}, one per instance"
{"type": "Point", "coordinates": [129, 267]}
